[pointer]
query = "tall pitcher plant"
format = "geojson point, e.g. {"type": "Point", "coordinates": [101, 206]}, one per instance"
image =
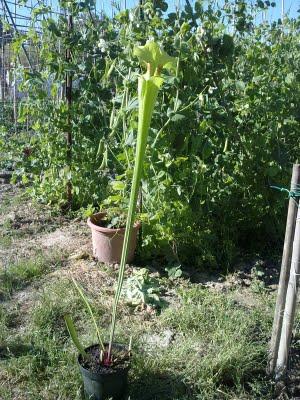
{"type": "Point", "coordinates": [154, 59]}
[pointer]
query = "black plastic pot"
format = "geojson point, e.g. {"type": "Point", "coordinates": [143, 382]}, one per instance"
{"type": "Point", "coordinates": [112, 384]}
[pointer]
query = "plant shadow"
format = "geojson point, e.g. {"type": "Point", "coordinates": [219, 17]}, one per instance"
{"type": "Point", "coordinates": [158, 386]}
{"type": "Point", "coordinates": [15, 350]}
{"type": "Point", "coordinates": [243, 273]}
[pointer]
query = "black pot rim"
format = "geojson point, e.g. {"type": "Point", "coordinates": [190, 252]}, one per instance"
{"type": "Point", "coordinates": [94, 375]}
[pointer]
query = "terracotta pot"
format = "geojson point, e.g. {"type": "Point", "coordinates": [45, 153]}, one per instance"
{"type": "Point", "coordinates": [108, 242]}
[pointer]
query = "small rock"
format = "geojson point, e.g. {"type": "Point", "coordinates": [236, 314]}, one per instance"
{"type": "Point", "coordinates": [11, 216]}
{"type": "Point", "coordinates": [81, 255]}
{"type": "Point", "coordinates": [161, 340]}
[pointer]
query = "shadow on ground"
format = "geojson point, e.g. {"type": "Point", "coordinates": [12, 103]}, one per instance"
{"type": "Point", "coordinates": [158, 386]}
{"type": "Point", "coordinates": [15, 350]}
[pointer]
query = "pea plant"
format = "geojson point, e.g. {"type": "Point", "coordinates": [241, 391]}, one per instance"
{"type": "Point", "coordinates": [227, 128]}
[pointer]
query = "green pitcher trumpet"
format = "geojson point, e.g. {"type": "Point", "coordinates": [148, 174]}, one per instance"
{"type": "Point", "coordinates": [155, 59]}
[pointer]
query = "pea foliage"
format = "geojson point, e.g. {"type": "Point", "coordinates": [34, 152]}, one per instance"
{"type": "Point", "coordinates": [226, 129]}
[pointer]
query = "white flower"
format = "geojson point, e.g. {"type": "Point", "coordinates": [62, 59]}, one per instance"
{"type": "Point", "coordinates": [200, 31]}
{"type": "Point", "coordinates": [131, 17]}
{"type": "Point", "coordinates": [211, 89]}
{"type": "Point", "coordinates": [102, 45]}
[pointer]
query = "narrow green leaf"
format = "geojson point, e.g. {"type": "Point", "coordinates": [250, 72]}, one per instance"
{"type": "Point", "coordinates": [74, 336]}
{"type": "Point", "coordinates": [80, 291]}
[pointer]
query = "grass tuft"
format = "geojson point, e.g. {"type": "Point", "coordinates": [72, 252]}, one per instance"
{"type": "Point", "coordinates": [57, 299]}
{"type": "Point", "coordinates": [18, 275]}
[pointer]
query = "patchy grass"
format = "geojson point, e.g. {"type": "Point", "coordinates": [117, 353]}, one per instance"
{"type": "Point", "coordinates": [18, 275]}
{"type": "Point", "coordinates": [57, 298]}
{"type": "Point", "coordinates": [5, 241]}
{"type": "Point", "coordinates": [217, 351]}
{"type": "Point", "coordinates": [216, 342]}
{"type": "Point", "coordinates": [8, 202]}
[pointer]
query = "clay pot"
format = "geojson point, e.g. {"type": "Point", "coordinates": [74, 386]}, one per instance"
{"type": "Point", "coordinates": [108, 242]}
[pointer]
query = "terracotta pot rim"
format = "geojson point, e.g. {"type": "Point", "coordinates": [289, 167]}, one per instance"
{"type": "Point", "coordinates": [103, 229]}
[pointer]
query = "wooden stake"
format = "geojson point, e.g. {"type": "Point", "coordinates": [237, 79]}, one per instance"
{"type": "Point", "coordinates": [290, 307]}
{"type": "Point", "coordinates": [284, 272]}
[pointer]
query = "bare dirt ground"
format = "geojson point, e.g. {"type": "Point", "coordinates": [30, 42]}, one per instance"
{"type": "Point", "coordinates": [36, 229]}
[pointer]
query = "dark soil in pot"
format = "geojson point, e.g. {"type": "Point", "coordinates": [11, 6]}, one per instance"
{"type": "Point", "coordinates": [103, 382]}
{"type": "Point", "coordinates": [111, 222]}
{"type": "Point", "coordinates": [105, 223]}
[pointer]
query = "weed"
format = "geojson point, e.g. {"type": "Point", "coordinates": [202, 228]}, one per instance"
{"type": "Point", "coordinates": [5, 241]}
{"type": "Point", "coordinates": [143, 290]}
{"type": "Point", "coordinates": [3, 324]}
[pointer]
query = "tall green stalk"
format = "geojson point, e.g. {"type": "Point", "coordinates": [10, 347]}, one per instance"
{"type": "Point", "coordinates": [155, 59]}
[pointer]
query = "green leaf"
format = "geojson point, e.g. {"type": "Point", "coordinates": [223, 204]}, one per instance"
{"type": "Point", "coordinates": [130, 139]}
{"type": "Point", "coordinates": [206, 150]}
{"type": "Point", "coordinates": [74, 336]}
{"type": "Point", "coordinates": [51, 25]}
{"type": "Point", "coordinates": [101, 148]}
{"type": "Point", "coordinates": [108, 69]}
{"type": "Point", "coordinates": [118, 185]}
{"type": "Point", "coordinates": [174, 272]}
{"type": "Point", "coordinates": [290, 78]}
{"type": "Point", "coordinates": [240, 85]}
{"type": "Point", "coordinates": [80, 291]}
{"type": "Point", "coordinates": [177, 117]}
